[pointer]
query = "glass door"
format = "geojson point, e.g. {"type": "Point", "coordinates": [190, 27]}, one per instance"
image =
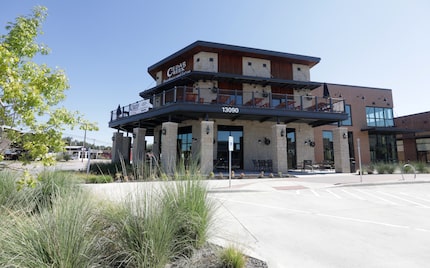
{"type": "Point", "coordinates": [291, 148]}
{"type": "Point", "coordinates": [221, 162]}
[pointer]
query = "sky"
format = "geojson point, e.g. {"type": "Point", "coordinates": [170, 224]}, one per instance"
{"type": "Point", "coordinates": [105, 46]}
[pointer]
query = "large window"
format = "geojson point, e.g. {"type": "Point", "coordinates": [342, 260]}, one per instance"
{"type": "Point", "coordinates": [328, 145]}
{"type": "Point", "coordinates": [379, 117]}
{"type": "Point", "coordinates": [185, 140]}
{"type": "Point", "coordinates": [222, 153]}
{"type": "Point", "coordinates": [347, 122]}
{"type": "Point", "coordinates": [383, 148]}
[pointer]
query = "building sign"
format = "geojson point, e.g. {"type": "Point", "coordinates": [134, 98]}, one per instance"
{"type": "Point", "coordinates": [140, 107]}
{"type": "Point", "coordinates": [176, 70]}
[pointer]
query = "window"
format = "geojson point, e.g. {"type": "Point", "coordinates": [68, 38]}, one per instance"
{"type": "Point", "coordinates": [347, 122]}
{"type": "Point", "coordinates": [328, 145]}
{"type": "Point", "coordinates": [379, 117]}
{"type": "Point", "coordinates": [383, 148]}
{"type": "Point", "coordinates": [185, 140]}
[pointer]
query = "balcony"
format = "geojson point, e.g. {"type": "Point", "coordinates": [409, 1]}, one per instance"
{"type": "Point", "coordinates": [263, 106]}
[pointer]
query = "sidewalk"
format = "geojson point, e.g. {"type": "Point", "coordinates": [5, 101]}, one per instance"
{"type": "Point", "coordinates": [314, 181]}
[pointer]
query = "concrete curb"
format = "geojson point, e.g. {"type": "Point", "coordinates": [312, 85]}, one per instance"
{"type": "Point", "coordinates": [379, 183]}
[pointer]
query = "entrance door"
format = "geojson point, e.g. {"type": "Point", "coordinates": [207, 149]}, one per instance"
{"type": "Point", "coordinates": [291, 148]}
{"type": "Point", "coordinates": [351, 151]}
{"type": "Point", "coordinates": [221, 162]}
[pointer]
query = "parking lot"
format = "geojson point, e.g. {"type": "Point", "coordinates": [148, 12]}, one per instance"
{"type": "Point", "coordinates": [309, 223]}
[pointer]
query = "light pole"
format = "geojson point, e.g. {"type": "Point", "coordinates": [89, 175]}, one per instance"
{"type": "Point", "coordinates": [83, 146]}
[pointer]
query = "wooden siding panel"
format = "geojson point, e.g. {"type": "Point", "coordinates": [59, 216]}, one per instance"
{"type": "Point", "coordinates": [230, 64]}
{"type": "Point", "coordinates": [282, 70]}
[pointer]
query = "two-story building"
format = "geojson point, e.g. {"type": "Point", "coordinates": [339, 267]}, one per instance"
{"type": "Point", "coordinates": [208, 91]}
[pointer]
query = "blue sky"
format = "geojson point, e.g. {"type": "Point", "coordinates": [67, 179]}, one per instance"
{"type": "Point", "coordinates": [105, 47]}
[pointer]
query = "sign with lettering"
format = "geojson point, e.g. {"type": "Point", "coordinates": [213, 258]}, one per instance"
{"type": "Point", "coordinates": [140, 107]}
{"type": "Point", "coordinates": [176, 70]}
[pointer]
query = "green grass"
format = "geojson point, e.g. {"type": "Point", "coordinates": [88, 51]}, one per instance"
{"type": "Point", "coordinates": [187, 202]}
{"type": "Point", "coordinates": [62, 235]}
{"type": "Point", "coordinates": [231, 257]}
{"type": "Point", "coordinates": [50, 221]}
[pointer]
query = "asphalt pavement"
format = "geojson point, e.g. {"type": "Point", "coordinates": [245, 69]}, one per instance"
{"type": "Point", "coordinates": [315, 219]}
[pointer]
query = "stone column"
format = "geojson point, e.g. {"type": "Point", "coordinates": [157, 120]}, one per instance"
{"type": "Point", "coordinates": [279, 152]}
{"type": "Point", "coordinates": [116, 146]}
{"type": "Point", "coordinates": [139, 145]}
{"type": "Point", "coordinates": [304, 144]}
{"type": "Point", "coordinates": [169, 137]}
{"type": "Point", "coordinates": [126, 148]}
{"type": "Point", "coordinates": [341, 150]}
{"type": "Point", "coordinates": [206, 146]}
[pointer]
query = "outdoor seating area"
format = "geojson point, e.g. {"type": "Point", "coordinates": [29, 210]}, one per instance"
{"type": "Point", "coordinates": [263, 165]}
{"type": "Point", "coordinates": [310, 166]}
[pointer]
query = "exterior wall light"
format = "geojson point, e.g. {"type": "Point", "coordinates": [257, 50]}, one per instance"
{"type": "Point", "coordinates": [345, 135]}
{"type": "Point", "coordinates": [265, 141]}
{"type": "Point", "coordinates": [208, 130]}
{"type": "Point", "coordinates": [164, 131]}
{"type": "Point", "coordinates": [310, 143]}
{"type": "Point", "coordinates": [282, 133]}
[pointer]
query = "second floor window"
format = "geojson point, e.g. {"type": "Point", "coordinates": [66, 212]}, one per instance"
{"type": "Point", "coordinates": [379, 117]}
{"type": "Point", "coordinates": [347, 122]}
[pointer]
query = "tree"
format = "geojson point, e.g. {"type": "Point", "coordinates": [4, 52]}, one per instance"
{"type": "Point", "coordinates": [30, 93]}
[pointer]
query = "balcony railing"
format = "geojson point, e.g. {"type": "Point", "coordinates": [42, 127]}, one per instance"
{"type": "Point", "coordinates": [239, 98]}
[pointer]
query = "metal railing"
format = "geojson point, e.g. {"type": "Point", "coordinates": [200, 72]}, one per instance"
{"type": "Point", "coordinates": [228, 97]}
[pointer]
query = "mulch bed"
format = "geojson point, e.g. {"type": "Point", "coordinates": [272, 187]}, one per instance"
{"type": "Point", "coordinates": [207, 257]}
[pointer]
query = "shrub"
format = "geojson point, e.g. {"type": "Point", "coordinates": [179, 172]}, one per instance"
{"type": "Point", "coordinates": [153, 227]}
{"type": "Point", "coordinates": [231, 257]}
{"type": "Point", "coordinates": [60, 236]}
{"type": "Point", "coordinates": [191, 213]}
{"type": "Point", "coordinates": [91, 178]}
{"type": "Point", "coordinates": [8, 190]}
{"type": "Point", "coordinates": [29, 193]}
{"type": "Point", "coordinates": [370, 169]}
{"type": "Point", "coordinates": [142, 233]}
{"type": "Point", "coordinates": [421, 167]}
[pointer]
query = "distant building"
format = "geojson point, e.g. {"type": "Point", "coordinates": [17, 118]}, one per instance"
{"type": "Point", "coordinates": [415, 144]}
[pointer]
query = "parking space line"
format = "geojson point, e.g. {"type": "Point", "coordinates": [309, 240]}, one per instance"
{"type": "Point", "coordinates": [335, 195]}
{"type": "Point", "coordinates": [405, 200]}
{"type": "Point", "coordinates": [353, 195]}
{"type": "Point", "coordinates": [416, 197]}
{"type": "Point", "coordinates": [306, 212]}
{"type": "Point", "coordinates": [377, 197]}
{"type": "Point", "coordinates": [315, 193]}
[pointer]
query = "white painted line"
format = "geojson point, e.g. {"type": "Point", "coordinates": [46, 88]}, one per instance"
{"type": "Point", "coordinates": [377, 197]}
{"type": "Point", "coordinates": [315, 193]}
{"type": "Point", "coordinates": [330, 216]}
{"type": "Point", "coordinates": [405, 200]}
{"type": "Point", "coordinates": [374, 222]}
{"type": "Point", "coordinates": [353, 195]}
{"type": "Point", "coordinates": [416, 197]}
{"type": "Point", "coordinates": [335, 195]}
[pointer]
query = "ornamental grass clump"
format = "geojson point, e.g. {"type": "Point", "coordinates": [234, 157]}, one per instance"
{"type": "Point", "coordinates": [191, 211]}
{"type": "Point", "coordinates": [157, 225]}
{"type": "Point", "coordinates": [231, 257]}
{"type": "Point", "coordinates": [142, 233]}
{"type": "Point", "coordinates": [62, 235]}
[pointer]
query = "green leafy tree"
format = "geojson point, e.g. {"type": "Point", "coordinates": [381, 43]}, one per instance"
{"type": "Point", "coordinates": [30, 93]}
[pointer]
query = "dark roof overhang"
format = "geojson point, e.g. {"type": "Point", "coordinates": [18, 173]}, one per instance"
{"type": "Point", "coordinates": [388, 130]}
{"type": "Point", "coordinates": [178, 112]}
{"type": "Point", "coordinates": [195, 76]}
{"type": "Point", "coordinates": [246, 51]}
